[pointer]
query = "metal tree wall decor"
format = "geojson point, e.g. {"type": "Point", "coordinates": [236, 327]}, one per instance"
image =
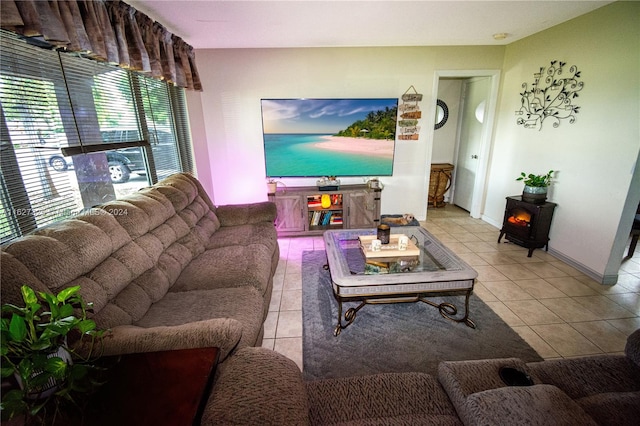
{"type": "Point", "coordinates": [551, 96]}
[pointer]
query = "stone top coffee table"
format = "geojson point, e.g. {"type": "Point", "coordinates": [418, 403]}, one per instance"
{"type": "Point", "coordinates": [438, 272]}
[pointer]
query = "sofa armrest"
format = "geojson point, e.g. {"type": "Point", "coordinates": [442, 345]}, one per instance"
{"type": "Point", "coordinates": [223, 333]}
{"type": "Point", "coordinates": [257, 386]}
{"type": "Point", "coordinates": [632, 348]}
{"type": "Point", "coordinates": [242, 214]}
{"type": "Point", "coordinates": [532, 405]}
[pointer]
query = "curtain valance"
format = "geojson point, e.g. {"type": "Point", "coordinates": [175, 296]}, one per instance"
{"type": "Point", "coordinates": [106, 30]}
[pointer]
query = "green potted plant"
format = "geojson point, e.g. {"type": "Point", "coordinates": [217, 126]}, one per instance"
{"type": "Point", "coordinates": [37, 343]}
{"type": "Point", "coordinates": [535, 186]}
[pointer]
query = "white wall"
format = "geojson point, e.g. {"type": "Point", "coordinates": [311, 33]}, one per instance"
{"type": "Point", "coordinates": [594, 157]}
{"type": "Point", "coordinates": [235, 80]}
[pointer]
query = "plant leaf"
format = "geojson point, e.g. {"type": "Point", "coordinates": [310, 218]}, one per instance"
{"type": "Point", "coordinates": [28, 295]}
{"type": "Point", "coordinates": [17, 329]}
{"type": "Point", "coordinates": [68, 292]}
{"type": "Point", "coordinates": [65, 311]}
{"type": "Point", "coordinates": [6, 372]}
{"type": "Point", "coordinates": [56, 366]}
{"type": "Point", "coordinates": [86, 326]}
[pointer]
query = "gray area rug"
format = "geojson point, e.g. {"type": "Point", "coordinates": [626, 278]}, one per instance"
{"type": "Point", "coordinates": [394, 338]}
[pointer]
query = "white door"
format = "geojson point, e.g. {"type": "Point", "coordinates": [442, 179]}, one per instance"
{"type": "Point", "coordinates": [474, 100]}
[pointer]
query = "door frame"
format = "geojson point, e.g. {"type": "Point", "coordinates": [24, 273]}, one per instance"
{"type": "Point", "coordinates": [479, 187]}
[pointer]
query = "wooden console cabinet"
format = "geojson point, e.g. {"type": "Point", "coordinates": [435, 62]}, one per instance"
{"type": "Point", "coordinates": [300, 210]}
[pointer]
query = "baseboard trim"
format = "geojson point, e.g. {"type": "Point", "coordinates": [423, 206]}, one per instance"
{"type": "Point", "coordinates": [602, 279]}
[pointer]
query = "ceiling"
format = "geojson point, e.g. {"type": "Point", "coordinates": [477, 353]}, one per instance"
{"type": "Point", "coordinates": [333, 23]}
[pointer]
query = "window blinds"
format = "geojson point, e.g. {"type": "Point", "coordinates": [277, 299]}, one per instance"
{"type": "Point", "coordinates": [75, 131]}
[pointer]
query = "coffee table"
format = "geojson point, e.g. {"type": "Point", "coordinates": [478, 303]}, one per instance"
{"type": "Point", "coordinates": [439, 272]}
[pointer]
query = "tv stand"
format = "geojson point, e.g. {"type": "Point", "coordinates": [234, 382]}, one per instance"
{"type": "Point", "coordinates": [300, 209]}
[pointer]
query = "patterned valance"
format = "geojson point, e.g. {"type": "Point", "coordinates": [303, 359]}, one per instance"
{"type": "Point", "coordinates": [105, 30]}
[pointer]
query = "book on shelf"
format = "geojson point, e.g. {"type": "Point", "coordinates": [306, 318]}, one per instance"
{"type": "Point", "coordinates": [326, 218]}
{"type": "Point", "coordinates": [336, 219]}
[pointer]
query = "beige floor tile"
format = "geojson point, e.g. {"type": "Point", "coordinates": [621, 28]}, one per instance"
{"type": "Point", "coordinates": [291, 348]}
{"type": "Point", "coordinates": [629, 281]}
{"type": "Point", "coordinates": [294, 268]}
{"type": "Point", "coordinates": [458, 247]}
{"type": "Point", "coordinates": [532, 312]}
{"type": "Point", "coordinates": [567, 269]}
{"type": "Point", "coordinates": [571, 286]}
{"type": "Point", "coordinates": [292, 281]}
{"type": "Point", "coordinates": [600, 288]}
{"type": "Point", "coordinates": [278, 279]}
{"type": "Point", "coordinates": [289, 324]}
{"type": "Point", "coordinates": [489, 273]}
{"type": "Point", "coordinates": [497, 258]}
{"type": "Point", "coordinates": [516, 272]}
{"type": "Point", "coordinates": [465, 237]}
{"type": "Point", "coordinates": [630, 267]}
{"type": "Point", "coordinates": [603, 334]}
{"type": "Point", "coordinates": [489, 237]}
{"type": "Point", "coordinates": [505, 313]}
{"type": "Point", "coordinates": [626, 325]}
{"type": "Point", "coordinates": [483, 293]}
{"type": "Point", "coordinates": [481, 247]}
{"type": "Point", "coordinates": [569, 309]}
{"type": "Point", "coordinates": [274, 304]}
{"type": "Point", "coordinates": [566, 340]}
{"type": "Point", "coordinates": [536, 342]}
{"type": "Point", "coordinates": [467, 222]}
{"type": "Point", "coordinates": [270, 325]}
{"type": "Point", "coordinates": [454, 229]}
{"type": "Point", "coordinates": [545, 270]}
{"type": "Point", "coordinates": [291, 300]}
{"type": "Point", "coordinates": [268, 343]}
{"type": "Point", "coordinates": [512, 249]}
{"type": "Point", "coordinates": [472, 259]}
{"type": "Point", "coordinates": [539, 288]}
{"type": "Point", "coordinates": [629, 301]}
{"type": "Point", "coordinates": [445, 238]}
{"type": "Point", "coordinates": [604, 307]}
{"type": "Point", "coordinates": [506, 290]}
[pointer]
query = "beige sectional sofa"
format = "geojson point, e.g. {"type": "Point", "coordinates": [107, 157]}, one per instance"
{"type": "Point", "coordinates": [260, 386]}
{"type": "Point", "coordinates": [164, 267]}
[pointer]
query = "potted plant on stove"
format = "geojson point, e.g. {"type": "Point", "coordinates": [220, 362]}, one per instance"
{"type": "Point", "coordinates": [40, 367]}
{"type": "Point", "coordinates": [535, 186]}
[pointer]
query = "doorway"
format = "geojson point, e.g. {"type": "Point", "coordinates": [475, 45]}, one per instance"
{"type": "Point", "coordinates": [469, 136]}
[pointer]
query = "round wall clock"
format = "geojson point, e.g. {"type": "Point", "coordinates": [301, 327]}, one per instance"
{"type": "Point", "coordinates": [442, 113]}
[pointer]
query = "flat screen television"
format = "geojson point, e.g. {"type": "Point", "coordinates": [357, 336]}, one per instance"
{"type": "Point", "coordinates": [329, 137]}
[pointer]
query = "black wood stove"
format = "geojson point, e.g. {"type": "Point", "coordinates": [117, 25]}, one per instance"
{"type": "Point", "coordinates": [527, 224]}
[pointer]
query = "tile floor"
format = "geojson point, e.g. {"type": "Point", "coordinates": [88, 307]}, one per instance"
{"type": "Point", "coordinates": [557, 309]}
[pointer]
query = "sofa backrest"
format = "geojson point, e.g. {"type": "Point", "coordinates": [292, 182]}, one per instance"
{"type": "Point", "coordinates": [125, 254]}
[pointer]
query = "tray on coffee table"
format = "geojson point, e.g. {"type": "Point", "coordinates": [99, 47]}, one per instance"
{"type": "Point", "coordinates": [390, 250]}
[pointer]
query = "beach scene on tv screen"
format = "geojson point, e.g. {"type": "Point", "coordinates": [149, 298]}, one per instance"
{"type": "Point", "coordinates": [329, 137]}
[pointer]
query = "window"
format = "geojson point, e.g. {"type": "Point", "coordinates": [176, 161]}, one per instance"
{"type": "Point", "coordinates": [76, 133]}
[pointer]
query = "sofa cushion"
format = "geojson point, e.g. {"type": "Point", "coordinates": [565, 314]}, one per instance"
{"type": "Point", "coordinates": [250, 233]}
{"type": "Point", "coordinates": [386, 398]}
{"type": "Point", "coordinates": [242, 304]}
{"type": "Point", "coordinates": [543, 405]}
{"type": "Point", "coordinates": [63, 251]}
{"type": "Point", "coordinates": [613, 408]}
{"type": "Point", "coordinates": [587, 376]}
{"type": "Point", "coordinates": [232, 266]}
{"type": "Point", "coordinates": [257, 386]}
